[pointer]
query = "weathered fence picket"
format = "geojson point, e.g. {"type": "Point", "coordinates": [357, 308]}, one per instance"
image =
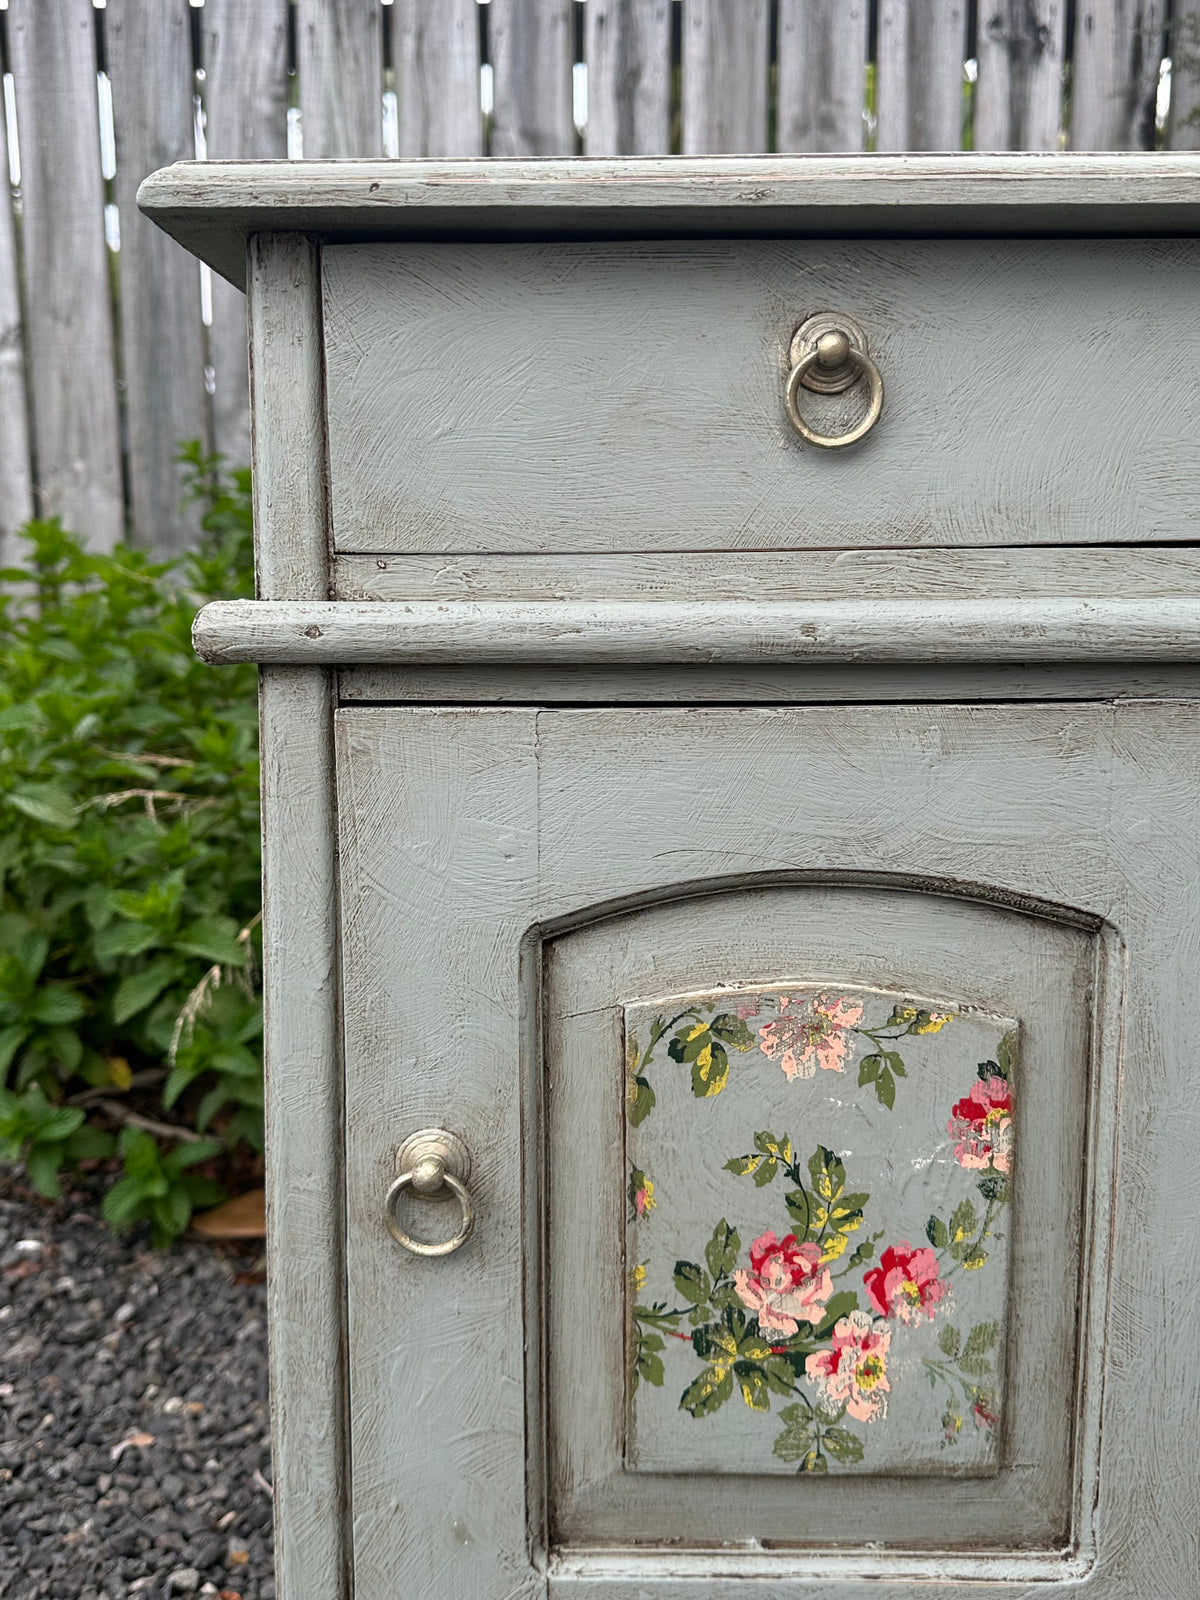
{"type": "Point", "coordinates": [822, 75]}
{"type": "Point", "coordinates": [726, 68]}
{"type": "Point", "coordinates": [920, 52]}
{"type": "Point", "coordinates": [1114, 82]}
{"type": "Point", "coordinates": [1018, 93]}
{"type": "Point", "coordinates": [532, 51]}
{"type": "Point", "coordinates": [627, 47]}
{"type": "Point", "coordinates": [608, 77]}
{"type": "Point", "coordinates": [16, 483]}
{"type": "Point", "coordinates": [69, 334]}
{"type": "Point", "coordinates": [149, 59]}
{"type": "Point", "coordinates": [339, 50]}
{"type": "Point", "coordinates": [243, 48]}
{"type": "Point", "coordinates": [435, 56]}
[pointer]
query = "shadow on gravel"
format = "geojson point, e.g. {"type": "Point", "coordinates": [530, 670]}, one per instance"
{"type": "Point", "coordinates": [134, 1436]}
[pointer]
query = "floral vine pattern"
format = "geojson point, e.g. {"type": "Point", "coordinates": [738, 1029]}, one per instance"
{"type": "Point", "coordinates": [813, 1031]}
{"type": "Point", "coordinates": [804, 1317]}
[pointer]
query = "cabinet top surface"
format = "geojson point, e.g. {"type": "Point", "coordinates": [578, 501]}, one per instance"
{"type": "Point", "coordinates": [212, 207]}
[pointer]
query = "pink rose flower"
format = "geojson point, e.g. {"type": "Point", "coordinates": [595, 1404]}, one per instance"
{"type": "Point", "coordinates": [854, 1372]}
{"type": "Point", "coordinates": [905, 1284]}
{"type": "Point", "coordinates": [786, 1283]}
{"type": "Point", "coordinates": [818, 1036]}
{"type": "Point", "coordinates": [982, 1124]}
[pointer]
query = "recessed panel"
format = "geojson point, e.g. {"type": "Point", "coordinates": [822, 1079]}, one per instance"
{"type": "Point", "coordinates": [814, 1182]}
{"type": "Point", "coordinates": [817, 1240]}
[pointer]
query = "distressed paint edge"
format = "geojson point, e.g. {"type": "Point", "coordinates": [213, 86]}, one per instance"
{"type": "Point", "coordinates": [452, 633]}
{"type": "Point", "coordinates": [303, 1103]}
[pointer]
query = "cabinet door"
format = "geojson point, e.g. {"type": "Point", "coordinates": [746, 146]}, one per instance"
{"type": "Point", "coordinates": [826, 1082]}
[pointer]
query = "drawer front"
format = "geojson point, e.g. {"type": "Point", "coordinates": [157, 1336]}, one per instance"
{"type": "Point", "coordinates": [630, 396]}
{"type": "Point", "coordinates": [817, 1068]}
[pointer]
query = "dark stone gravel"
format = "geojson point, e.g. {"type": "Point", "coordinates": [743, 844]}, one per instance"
{"type": "Point", "coordinates": [134, 1435]}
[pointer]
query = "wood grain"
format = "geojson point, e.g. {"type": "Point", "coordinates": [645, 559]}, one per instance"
{"type": "Point", "coordinates": [1018, 92]}
{"type": "Point", "coordinates": [725, 76]}
{"type": "Point", "coordinates": [69, 331]}
{"type": "Point", "coordinates": [919, 60]}
{"type": "Point", "coordinates": [532, 51]}
{"type": "Point", "coordinates": [339, 51]}
{"type": "Point", "coordinates": [244, 51]}
{"type": "Point", "coordinates": [301, 1037]}
{"type": "Point", "coordinates": [211, 207]}
{"type": "Point", "coordinates": [627, 47]}
{"type": "Point", "coordinates": [822, 69]}
{"type": "Point", "coordinates": [291, 546]}
{"type": "Point", "coordinates": [162, 336]}
{"type": "Point", "coordinates": [435, 52]}
{"type": "Point", "coordinates": [16, 466]}
{"type": "Point", "coordinates": [1114, 74]}
{"type": "Point", "coordinates": [479, 395]}
{"type": "Point", "coordinates": [967, 574]}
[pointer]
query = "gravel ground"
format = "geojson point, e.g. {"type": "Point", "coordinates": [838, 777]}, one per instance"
{"type": "Point", "coordinates": [134, 1437]}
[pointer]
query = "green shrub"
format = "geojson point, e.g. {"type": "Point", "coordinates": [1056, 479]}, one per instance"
{"type": "Point", "coordinates": [129, 864]}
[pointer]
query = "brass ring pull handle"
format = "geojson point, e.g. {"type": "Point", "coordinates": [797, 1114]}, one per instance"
{"type": "Point", "coordinates": [834, 360]}
{"type": "Point", "coordinates": [429, 1159]}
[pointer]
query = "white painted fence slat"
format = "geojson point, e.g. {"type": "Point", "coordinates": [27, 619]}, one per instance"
{"type": "Point", "coordinates": [1114, 81]}
{"type": "Point", "coordinates": [16, 477]}
{"type": "Point", "coordinates": [435, 51]}
{"type": "Point", "coordinates": [726, 66]}
{"type": "Point", "coordinates": [1018, 94]}
{"type": "Point", "coordinates": [920, 53]}
{"type": "Point", "coordinates": [74, 400]}
{"type": "Point", "coordinates": [822, 75]}
{"type": "Point", "coordinates": [162, 337]}
{"type": "Point", "coordinates": [243, 46]}
{"type": "Point", "coordinates": [531, 48]}
{"type": "Point", "coordinates": [627, 47]}
{"type": "Point", "coordinates": [339, 48]}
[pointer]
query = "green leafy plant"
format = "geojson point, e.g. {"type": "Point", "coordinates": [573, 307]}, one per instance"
{"type": "Point", "coordinates": [47, 1137]}
{"type": "Point", "coordinates": [129, 858]}
{"type": "Point", "coordinates": [157, 1187]}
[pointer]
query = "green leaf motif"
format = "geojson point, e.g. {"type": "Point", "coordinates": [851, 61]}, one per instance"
{"type": "Point", "coordinates": [642, 1102]}
{"type": "Point", "coordinates": [981, 1337]}
{"type": "Point", "coordinates": [948, 1341]}
{"type": "Point", "coordinates": [843, 1445]}
{"type": "Point", "coordinates": [937, 1233]}
{"type": "Point", "coordinates": [708, 1392]}
{"type": "Point", "coordinates": [836, 1307]}
{"type": "Point", "coordinates": [796, 1440]}
{"type": "Point", "coordinates": [721, 1251]}
{"type": "Point", "coordinates": [692, 1282]}
{"type": "Point", "coordinates": [963, 1223]}
{"type": "Point", "coordinates": [733, 1031]}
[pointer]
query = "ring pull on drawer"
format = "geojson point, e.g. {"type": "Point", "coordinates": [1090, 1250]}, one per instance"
{"type": "Point", "coordinates": [829, 353]}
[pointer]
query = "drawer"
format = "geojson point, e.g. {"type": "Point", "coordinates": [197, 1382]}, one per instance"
{"type": "Point", "coordinates": [817, 1069]}
{"type": "Point", "coordinates": [600, 397]}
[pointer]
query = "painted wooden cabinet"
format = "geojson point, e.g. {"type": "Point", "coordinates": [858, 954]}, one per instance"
{"type": "Point", "coordinates": [730, 649]}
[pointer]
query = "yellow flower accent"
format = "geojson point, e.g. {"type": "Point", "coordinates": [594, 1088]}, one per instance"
{"type": "Point", "coordinates": [937, 1020]}
{"type": "Point", "coordinates": [637, 1278]}
{"type": "Point", "coordinates": [648, 1191]}
{"type": "Point", "coordinates": [834, 1247]}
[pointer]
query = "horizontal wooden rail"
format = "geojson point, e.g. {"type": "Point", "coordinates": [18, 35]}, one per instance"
{"type": "Point", "coordinates": [461, 632]}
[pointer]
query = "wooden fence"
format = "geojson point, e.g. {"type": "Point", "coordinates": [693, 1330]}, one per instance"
{"type": "Point", "coordinates": [114, 345]}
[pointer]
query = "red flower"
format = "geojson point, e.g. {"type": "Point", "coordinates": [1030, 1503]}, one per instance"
{"type": "Point", "coordinates": [905, 1284]}
{"type": "Point", "coordinates": [786, 1284]}
{"type": "Point", "coordinates": [982, 1124]}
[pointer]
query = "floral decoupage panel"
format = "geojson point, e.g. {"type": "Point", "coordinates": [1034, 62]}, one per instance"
{"type": "Point", "coordinates": [818, 1191]}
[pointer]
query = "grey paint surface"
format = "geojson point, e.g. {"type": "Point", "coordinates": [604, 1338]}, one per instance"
{"type": "Point", "coordinates": [491, 398]}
